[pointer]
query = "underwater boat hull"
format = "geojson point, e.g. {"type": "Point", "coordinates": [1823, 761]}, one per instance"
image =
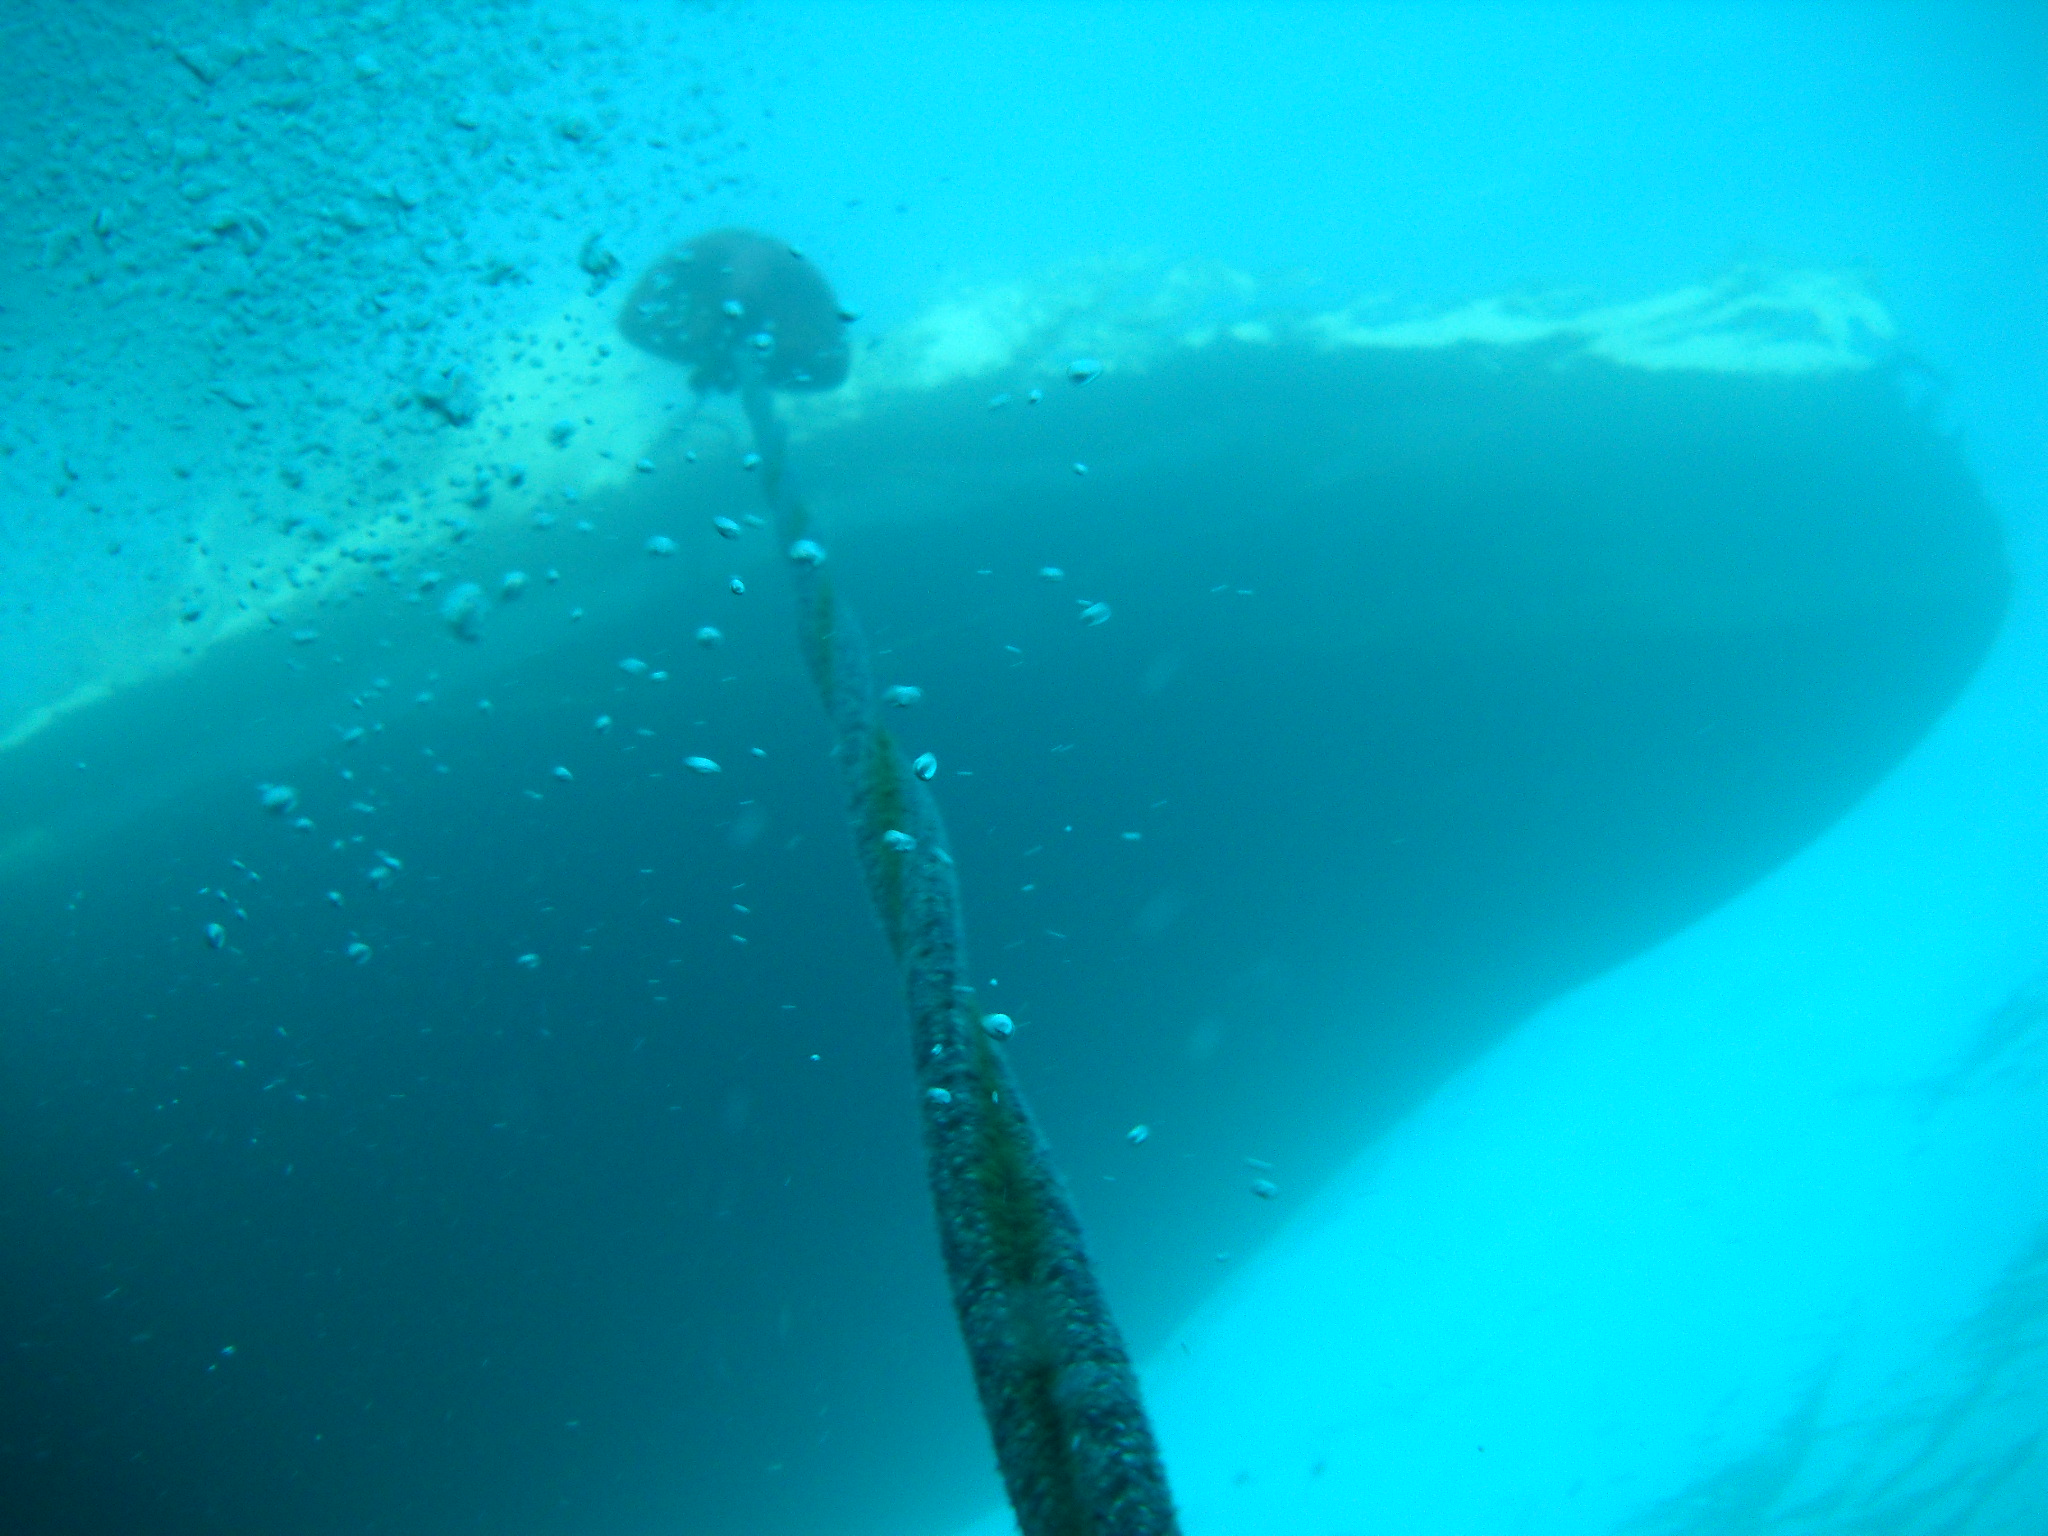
{"type": "Point", "coordinates": [1439, 680]}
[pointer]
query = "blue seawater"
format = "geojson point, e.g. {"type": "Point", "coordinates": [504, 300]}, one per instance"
{"type": "Point", "coordinates": [1467, 581]}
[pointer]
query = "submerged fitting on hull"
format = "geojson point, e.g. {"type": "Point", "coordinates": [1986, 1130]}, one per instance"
{"type": "Point", "coordinates": [736, 305]}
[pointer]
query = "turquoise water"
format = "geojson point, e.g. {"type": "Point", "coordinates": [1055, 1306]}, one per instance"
{"type": "Point", "coordinates": [1473, 579]}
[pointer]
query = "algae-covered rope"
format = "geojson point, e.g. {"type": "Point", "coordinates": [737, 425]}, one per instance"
{"type": "Point", "coordinates": [1062, 1403]}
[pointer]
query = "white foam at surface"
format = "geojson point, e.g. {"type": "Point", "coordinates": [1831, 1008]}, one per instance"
{"type": "Point", "coordinates": [1748, 321]}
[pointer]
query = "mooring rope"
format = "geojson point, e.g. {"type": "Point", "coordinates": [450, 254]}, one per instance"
{"type": "Point", "coordinates": [1076, 1452]}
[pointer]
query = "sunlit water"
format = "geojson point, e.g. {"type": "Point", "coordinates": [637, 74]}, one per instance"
{"type": "Point", "coordinates": [1474, 583]}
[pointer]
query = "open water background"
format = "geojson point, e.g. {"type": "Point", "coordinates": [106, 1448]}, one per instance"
{"type": "Point", "coordinates": [1403, 728]}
